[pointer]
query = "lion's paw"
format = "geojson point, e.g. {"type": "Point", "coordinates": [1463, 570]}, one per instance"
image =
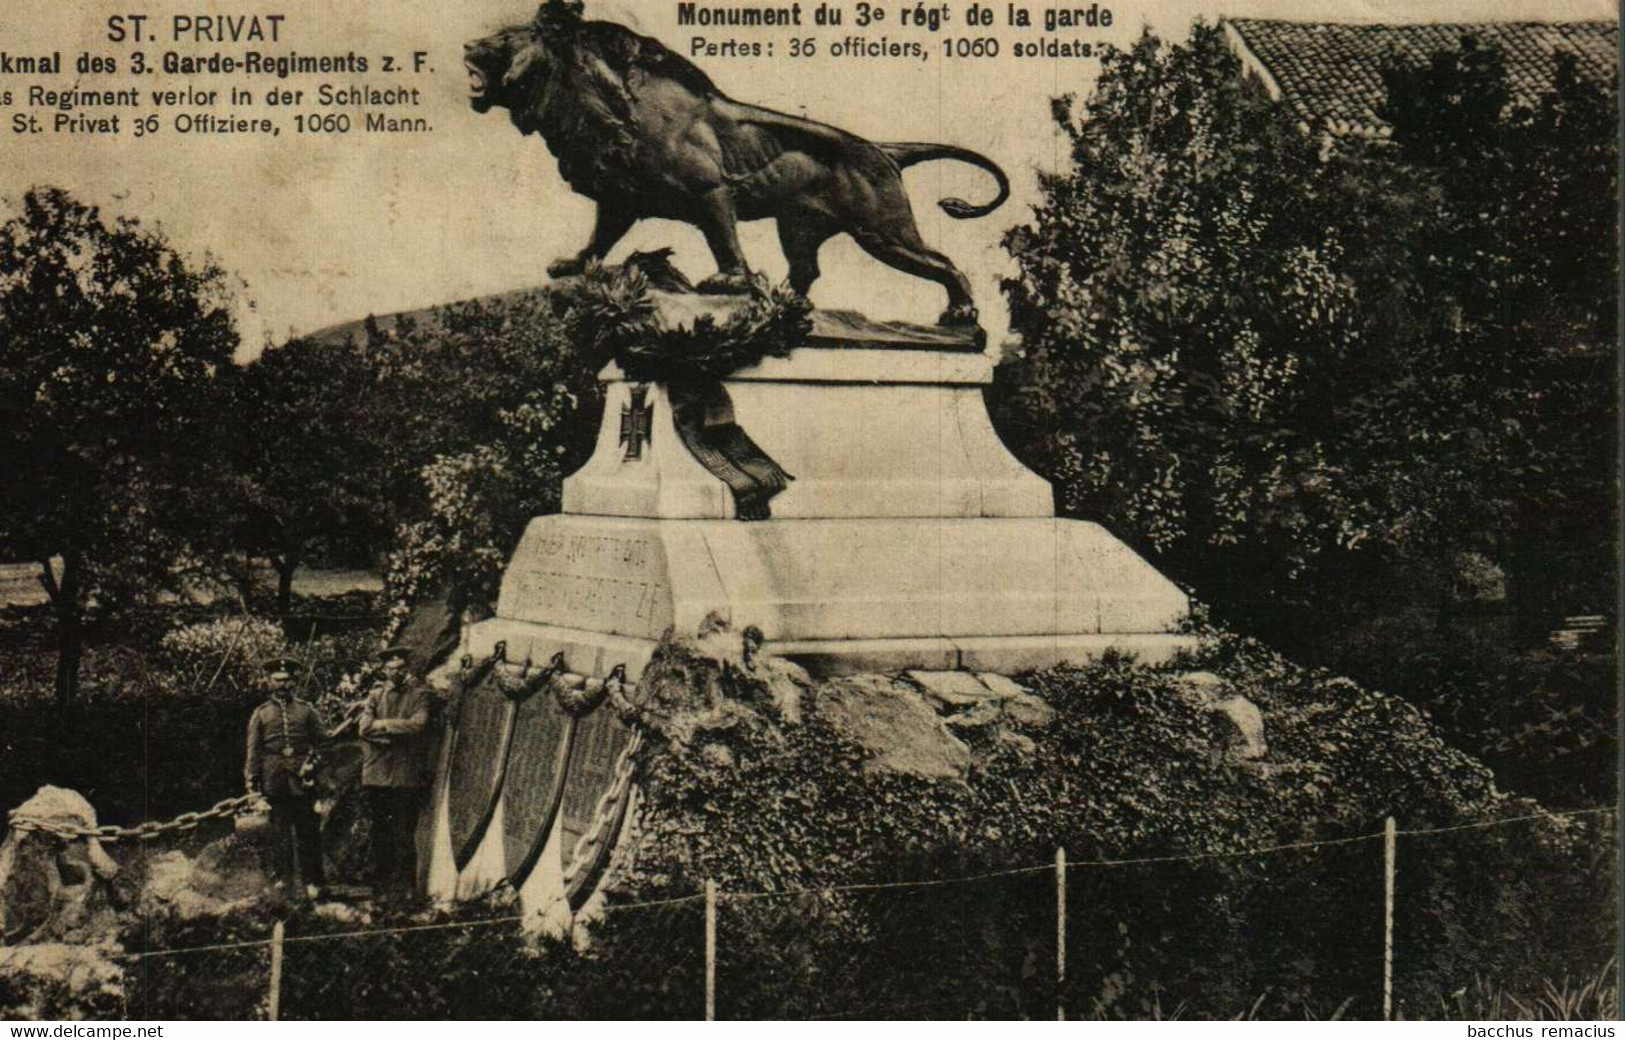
{"type": "Point", "coordinates": [566, 267]}
{"type": "Point", "coordinates": [725, 284]}
{"type": "Point", "coordinates": [965, 315]}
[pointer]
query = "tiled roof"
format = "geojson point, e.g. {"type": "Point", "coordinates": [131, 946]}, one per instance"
{"type": "Point", "coordinates": [1333, 72]}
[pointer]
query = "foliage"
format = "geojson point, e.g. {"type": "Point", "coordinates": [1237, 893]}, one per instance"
{"type": "Point", "coordinates": [199, 649]}
{"type": "Point", "coordinates": [1310, 376]}
{"type": "Point", "coordinates": [160, 730]}
{"type": "Point", "coordinates": [1210, 370]}
{"type": "Point", "coordinates": [1544, 720]}
{"type": "Point", "coordinates": [1129, 769]}
{"type": "Point", "coordinates": [1592, 998]}
{"type": "Point", "coordinates": [613, 313]}
{"type": "Point", "coordinates": [480, 414]}
{"type": "Point", "coordinates": [479, 503]}
{"type": "Point", "coordinates": [1524, 245]}
{"type": "Point", "coordinates": [299, 478]}
{"type": "Point", "coordinates": [26, 996]}
{"type": "Point", "coordinates": [110, 344]}
{"type": "Point", "coordinates": [1206, 367]}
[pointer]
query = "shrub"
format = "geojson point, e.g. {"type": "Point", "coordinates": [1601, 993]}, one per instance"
{"type": "Point", "coordinates": [228, 651]}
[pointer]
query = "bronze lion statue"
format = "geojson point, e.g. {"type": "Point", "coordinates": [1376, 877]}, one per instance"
{"type": "Point", "coordinates": [644, 132]}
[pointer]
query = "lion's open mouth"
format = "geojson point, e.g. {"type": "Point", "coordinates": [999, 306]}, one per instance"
{"type": "Point", "coordinates": [476, 87]}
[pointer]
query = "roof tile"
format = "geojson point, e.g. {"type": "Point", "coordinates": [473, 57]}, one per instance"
{"type": "Point", "coordinates": [1333, 72]}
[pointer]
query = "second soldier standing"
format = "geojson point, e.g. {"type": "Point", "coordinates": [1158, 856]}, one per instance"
{"type": "Point", "coordinates": [394, 770]}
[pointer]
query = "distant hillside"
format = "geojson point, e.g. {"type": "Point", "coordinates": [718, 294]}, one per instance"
{"type": "Point", "coordinates": [345, 330]}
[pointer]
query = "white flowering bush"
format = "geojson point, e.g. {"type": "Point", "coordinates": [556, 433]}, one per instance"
{"type": "Point", "coordinates": [226, 653]}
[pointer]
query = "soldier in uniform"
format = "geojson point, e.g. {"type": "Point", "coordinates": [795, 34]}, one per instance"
{"type": "Point", "coordinates": [395, 769]}
{"type": "Point", "coordinates": [284, 734]}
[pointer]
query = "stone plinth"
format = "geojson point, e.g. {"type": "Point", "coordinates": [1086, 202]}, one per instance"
{"type": "Point", "coordinates": [909, 536]}
{"type": "Point", "coordinates": [871, 420]}
{"type": "Point", "coordinates": [840, 595]}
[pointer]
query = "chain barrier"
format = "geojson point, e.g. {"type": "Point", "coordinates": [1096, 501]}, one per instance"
{"type": "Point", "coordinates": [67, 831]}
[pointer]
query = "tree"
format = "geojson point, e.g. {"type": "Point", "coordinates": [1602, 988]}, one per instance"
{"type": "Point", "coordinates": [1526, 248]}
{"type": "Point", "coordinates": [1217, 321]}
{"type": "Point", "coordinates": [300, 475]}
{"type": "Point", "coordinates": [1284, 363]}
{"type": "Point", "coordinates": [488, 406]}
{"type": "Point", "coordinates": [110, 345]}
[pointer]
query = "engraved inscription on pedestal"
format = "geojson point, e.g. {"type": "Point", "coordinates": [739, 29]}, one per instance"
{"type": "Point", "coordinates": [602, 583]}
{"type": "Point", "coordinates": [534, 783]}
{"type": "Point", "coordinates": [476, 766]}
{"type": "Point", "coordinates": [596, 749]}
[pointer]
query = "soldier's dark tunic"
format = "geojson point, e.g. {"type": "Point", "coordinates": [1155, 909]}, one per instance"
{"type": "Point", "coordinates": [281, 736]}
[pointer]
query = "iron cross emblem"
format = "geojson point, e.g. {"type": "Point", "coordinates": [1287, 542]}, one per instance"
{"type": "Point", "coordinates": [637, 423]}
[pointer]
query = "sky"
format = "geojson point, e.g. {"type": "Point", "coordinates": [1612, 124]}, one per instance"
{"type": "Point", "coordinates": [324, 228]}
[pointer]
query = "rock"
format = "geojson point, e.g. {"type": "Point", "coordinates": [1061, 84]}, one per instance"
{"type": "Point", "coordinates": [227, 875]}
{"type": "Point", "coordinates": [1029, 710]}
{"type": "Point", "coordinates": [894, 724]}
{"type": "Point", "coordinates": [1202, 687]}
{"type": "Point", "coordinates": [1017, 742]}
{"type": "Point", "coordinates": [55, 980]}
{"type": "Point", "coordinates": [341, 913]}
{"type": "Point", "coordinates": [716, 681]}
{"type": "Point", "coordinates": [974, 700]}
{"type": "Point", "coordinates": [1002, 686]}
{"type": "Point", "coordinates": [1240, 721]}
{"type": "Point", "coordinates": [169, 877]}
{"type": "Point", "coordinates": [51, 889]}
{"type": "Point", "coordinates": [951, 690]}
{"type": "Point", "coordinates": [1245, 735]}
{"type": "Point", "coordinates": [717, 756]}
{"type": "Point", "coordinates": [984, 713]}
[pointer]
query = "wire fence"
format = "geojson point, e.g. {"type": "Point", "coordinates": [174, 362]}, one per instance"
{"type": "Point", "coordinates": [1372, 925]}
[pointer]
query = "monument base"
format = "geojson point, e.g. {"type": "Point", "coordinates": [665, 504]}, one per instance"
{"type": "Point", "coordinates": [842, 596]}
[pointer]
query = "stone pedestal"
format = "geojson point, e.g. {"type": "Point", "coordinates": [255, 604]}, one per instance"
{"type": "Point", "coordinates": [909, 537]}
{"type": "Point", "coordinates": [905, 536]}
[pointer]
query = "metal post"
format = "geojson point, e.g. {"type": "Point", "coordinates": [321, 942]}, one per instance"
{"type": "Point", "coordinates": [710, 951]}
{"type": "Point", "coordinates": [1060, 935]}
{"type": "Point", "coordinates": [1389, 836]}
{"type": "Point", "coordinates": [276, 971]}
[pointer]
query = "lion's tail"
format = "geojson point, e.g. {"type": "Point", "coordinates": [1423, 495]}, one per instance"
{"type": "Point", "coordinates": [906, 155]}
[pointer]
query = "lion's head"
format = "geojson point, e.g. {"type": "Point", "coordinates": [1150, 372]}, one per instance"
{"type": "Point", "coordinates": [508, 67]}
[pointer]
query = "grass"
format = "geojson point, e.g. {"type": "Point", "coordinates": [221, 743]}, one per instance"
{"type": "Point", "coordinates": [1594, 998]}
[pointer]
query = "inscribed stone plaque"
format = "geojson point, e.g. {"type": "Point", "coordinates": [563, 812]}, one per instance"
{"type": "Point", "coordinates": [476, 766]}
{"type": "Point", "coordinates": [601, 582]}
{"type": "Point", "coordinates": [534, 782]}
{"type": "Point", "coordinates": [596, 750]}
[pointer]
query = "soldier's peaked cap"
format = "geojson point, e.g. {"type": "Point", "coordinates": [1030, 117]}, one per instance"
{"type": "Point", "coordinates": [278, 665]}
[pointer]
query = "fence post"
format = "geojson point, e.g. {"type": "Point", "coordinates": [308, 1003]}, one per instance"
{"type": "Point", "coordinates": [710, 951]}
{"type": "Point", "coordinates": [1060, 934]}
{"type": "Point", "coordinates": [276, 971]}
{"type": "Point", "coordinates": [1389, 836]}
